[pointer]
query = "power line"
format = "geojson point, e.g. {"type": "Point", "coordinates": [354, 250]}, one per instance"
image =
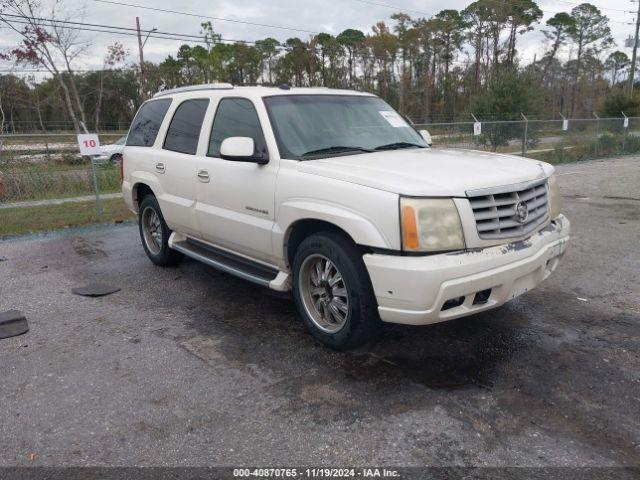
{"type": "Point", "coordinates": [394, 7]}
{"type": "Point", "coordinates": [97, 30]}
{"type": "Point", "coordinates": [51, 22]}
{"type": "Point", "coordinates": [221, 19]}
{"type": "Point", "coordinates": [600, 8]}
{"type": "Point", "coordinates": [182, 37]}
{"type": "Point", "coordinates": [501, 2]}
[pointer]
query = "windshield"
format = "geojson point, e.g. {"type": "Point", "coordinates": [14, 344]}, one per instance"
{"type": "Point", "coordinates": [120, 141]}
{"type": "Point", "coordinates": [318, 126]}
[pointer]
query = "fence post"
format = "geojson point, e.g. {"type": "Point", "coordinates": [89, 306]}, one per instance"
{"type": "Point", "coordinates": [564, 121]}
{"type": "Point", "coordinates": [597, 144]}
{"type": "Point", "coordinates": [524, 135]}
{"type": "Point", "coordinates": [625, 127]}
{"type": "Point", "coordinates": [96, 187]}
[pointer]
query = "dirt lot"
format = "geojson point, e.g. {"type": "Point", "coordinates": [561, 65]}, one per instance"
{"type": "Point", "coordinates": [190, 366]}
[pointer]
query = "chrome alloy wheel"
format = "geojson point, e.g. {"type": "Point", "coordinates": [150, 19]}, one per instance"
{"type": "Point", "coordinates": [324, 293]}
{"type": "Point", "coordinates": [152, 230]}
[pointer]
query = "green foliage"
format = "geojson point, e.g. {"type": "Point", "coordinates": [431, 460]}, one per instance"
{"type": "Point", "coordinates": [618, 101]}
{"type": "Point", "coordinates": [506, 98]}
{"type": "Point", "coordinates": [418, 65]}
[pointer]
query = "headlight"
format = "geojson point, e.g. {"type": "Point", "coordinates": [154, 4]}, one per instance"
{"type": "Point", "coordinates": [430, 225]}
{"type": "Point", "coordinates": [555, 202]}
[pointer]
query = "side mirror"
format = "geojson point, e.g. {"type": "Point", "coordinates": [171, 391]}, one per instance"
{"type": "Point", "coordinates": [426, 136]}
{"type": "Point", "coordinates": [240, 149]}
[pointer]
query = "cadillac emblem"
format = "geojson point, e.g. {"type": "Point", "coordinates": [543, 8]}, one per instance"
{"type": "Point", "coordinates": [522, 212]}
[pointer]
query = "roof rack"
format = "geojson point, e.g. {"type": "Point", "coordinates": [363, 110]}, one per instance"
{"type": "Point", "coordinates": [192, 88]}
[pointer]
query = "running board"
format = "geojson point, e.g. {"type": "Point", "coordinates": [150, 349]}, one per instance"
{"type": "Point", "coordinates": [228, 262]}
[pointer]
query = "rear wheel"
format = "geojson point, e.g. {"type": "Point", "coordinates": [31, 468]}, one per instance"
{"type": "Point", "coordinates": [154, 233]}
{"type": "Point", "coordinates": [333, 292]}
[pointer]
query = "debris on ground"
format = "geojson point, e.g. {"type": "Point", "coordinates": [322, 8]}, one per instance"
{"type": "Point", "coordinates": [95, 290]}
{"type": "Point", "coordinates": [12, 323]}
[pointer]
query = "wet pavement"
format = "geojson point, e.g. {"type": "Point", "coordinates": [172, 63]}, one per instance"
{"type": "Point", "coordinates": [190, 366]}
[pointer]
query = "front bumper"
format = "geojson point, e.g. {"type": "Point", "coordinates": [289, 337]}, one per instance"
{"type": "Point", "coordinates": [414, 290]}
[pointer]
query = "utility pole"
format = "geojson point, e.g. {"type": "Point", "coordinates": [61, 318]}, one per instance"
{"type": "Point", "coordinates": [632, 73]}
{"type": "Point", "coordinates": [143, 90]}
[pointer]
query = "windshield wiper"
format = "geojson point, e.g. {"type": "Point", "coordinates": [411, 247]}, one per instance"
{"type": "Point", "coordinates": [335, 149]}
{"type": "Point", "coordinates": [396, 145]}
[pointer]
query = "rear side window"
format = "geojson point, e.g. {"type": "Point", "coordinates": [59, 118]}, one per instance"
{"type": "Point", "coordinates": [184, 131]}
{"type": "Point", "coordinates": [236, 117]}
{"type": "Point", "coordinates": [145, 126]}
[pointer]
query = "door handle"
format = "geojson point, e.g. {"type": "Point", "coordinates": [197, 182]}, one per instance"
{"type": "Point", "coordinates": [203, 176]}
{"type": "Point", "coordinates": [160, 167]}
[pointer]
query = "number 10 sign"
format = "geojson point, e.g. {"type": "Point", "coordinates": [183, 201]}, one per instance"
{"type": "Point", "coordinates": [89, 144]}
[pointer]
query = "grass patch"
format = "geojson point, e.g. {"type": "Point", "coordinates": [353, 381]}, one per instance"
{"type": "Point", "coordinates": [44, 182]}
{"type": "Point", "coordinates": [18, 221]}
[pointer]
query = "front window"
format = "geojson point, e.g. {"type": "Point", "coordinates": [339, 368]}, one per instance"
{"type": "Point", "coordinates": [318, 126]}
{"type": "Point", "coordinates": [236, 117]}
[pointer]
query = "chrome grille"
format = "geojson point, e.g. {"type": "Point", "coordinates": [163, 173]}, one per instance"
{"type": "Point", "coordinates": [496, 209]}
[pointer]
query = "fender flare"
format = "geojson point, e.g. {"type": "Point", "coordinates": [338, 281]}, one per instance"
{"type": "Point", "coordinates": [360, 228]}
{"type": "Point", "coordinates": [147, 179]}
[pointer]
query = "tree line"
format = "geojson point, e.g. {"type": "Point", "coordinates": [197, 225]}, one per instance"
{"type": "Point", "coordinates": [433, 69]}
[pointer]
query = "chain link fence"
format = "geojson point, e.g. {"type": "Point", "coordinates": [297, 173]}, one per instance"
{"type": "Point", "coordinates": [554, 141]}
{"type": "Point", "coordinates": [46, 184]}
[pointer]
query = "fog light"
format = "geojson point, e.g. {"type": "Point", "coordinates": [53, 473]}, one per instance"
{"type": "Point", "coordinates": [452, 303]}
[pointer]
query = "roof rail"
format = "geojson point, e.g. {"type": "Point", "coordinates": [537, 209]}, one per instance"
{"type": "Point", "coordinates": [192, 88]}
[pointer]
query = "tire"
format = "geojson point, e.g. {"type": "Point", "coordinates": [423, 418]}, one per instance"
{"type": "Point", "coordinates": [338, 321]}
{"type": "Point", "coordinates": [154, 234]}
{"type": "Point", "coordinates": [116, 158]}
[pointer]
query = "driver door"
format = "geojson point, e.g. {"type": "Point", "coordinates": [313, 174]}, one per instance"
{"type": "Point", "coordinates": [235, 199]}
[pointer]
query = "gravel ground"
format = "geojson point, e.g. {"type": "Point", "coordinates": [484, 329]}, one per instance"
{"type": "Point", "coordinates": [189, 366]}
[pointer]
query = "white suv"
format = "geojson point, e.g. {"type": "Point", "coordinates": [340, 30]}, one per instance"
{"type": "Point", "coordinates": [332, 194]}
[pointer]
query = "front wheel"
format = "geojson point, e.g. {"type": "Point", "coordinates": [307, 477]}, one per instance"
{"type": "Point", "coordinates": [333, 292]}
{"type": "Point", "coordinates": [155, 234]}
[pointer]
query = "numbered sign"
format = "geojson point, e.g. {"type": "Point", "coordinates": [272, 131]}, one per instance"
{"type": "Point", "coordinates": [89, 144]}
{"type": "Point", "coordinates": [626, 122]}
{"type": "Point", "coordinates": [565, 125]}
{"type": "Point", "coordinates": [477, 128]}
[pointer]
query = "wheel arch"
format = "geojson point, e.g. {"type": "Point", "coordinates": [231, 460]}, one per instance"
{"type": "Point", "coordinates": [304, 218]}
{"type": "Point", "coordinates": [303, 228]}
{"type": "Point", "coordinates": [139, 191]}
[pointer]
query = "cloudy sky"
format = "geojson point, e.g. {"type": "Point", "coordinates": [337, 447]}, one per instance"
{"type": "Point", "coordinates": [295, 17]}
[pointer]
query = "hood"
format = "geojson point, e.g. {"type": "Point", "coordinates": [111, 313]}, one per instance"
{"type": "Point", "coordinates": [429, 171]}
{"type": "Point", "coordinates": [111, 148]}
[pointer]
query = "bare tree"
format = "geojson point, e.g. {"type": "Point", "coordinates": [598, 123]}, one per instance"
{"type": "Point", "coordinates": [47, 44]}
{"type": "Point", "coordinates": [116, 54]}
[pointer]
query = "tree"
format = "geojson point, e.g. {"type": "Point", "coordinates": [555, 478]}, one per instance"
{"type": "Point", "coordinates": [591, 34]}
{"type": "Point", "coordinates": [618, 102]}
{"type": "Point", "coordinates": [116, 54]}
{"type": "Point", "coordinates": [448, 27]}
{"type": "Point", "coordinates": [557, 31]}
{"type": "Point", "coordinates": [615, 62]}
{"type": "Point", "coordinates": [352, 40]}
{"type": "Point", "coordinates": [477, 16]}
{"type": "Point", "coordinates": [268, 50]}
{"type": "Point", "coordinates": [508, 95]}
{"type": "Point", "coordinates": [522, 15]}
{"type": "Point", "coordinates": [48, 46]}
{"type": "Point", "coordinates": [384, 47]}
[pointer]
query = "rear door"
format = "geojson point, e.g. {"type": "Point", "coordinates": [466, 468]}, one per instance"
{"type": "Point", "coordinates": [176, 164]}
{"type": "Point", "coordinates": [235, 208]}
